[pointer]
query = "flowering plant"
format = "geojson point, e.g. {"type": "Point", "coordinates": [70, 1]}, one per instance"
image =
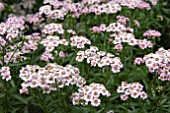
{"type": "Point", "coordinates": [90, 56]}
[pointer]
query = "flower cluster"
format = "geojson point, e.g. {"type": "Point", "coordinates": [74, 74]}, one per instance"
{"type": "Point", "coordinates": [122, 19]}
{"type": "Point", "coordinates": [58, 11]}
{"type": "Point", "coordinates": [79, 41]}
{"type": "Point", "coordinates": [34, 18]}
{"type": "Point", "coordinates": [152, 33]}
{"type": "Point", "coordinates": [90, 94]}
{"type": "Point", "coordinates": [96, 29]}
{"type": "Point", "coordinates": [15, 53]}
{"type": "Point", "coordinates": [50, 77]}
{"type": "Point", "coordinates": [159, 63]}
{"type": "Point", "coordinates": [5, 73]}
{"type": "Point", "coordinates": [154, 2]}
{"type": "Point", "coordinates": [31, 43]}
{"type": "Point", "coordinates": [122, 34]}
{"type": "Point", "coordinates": [50, 42]}
{"type": "Point", "coordinates": [10, 29]}
{"type": "Point", "coordinates": [1, 6]}
{"type": "Point", "coordinates": [53, 28]}
{"type": "Point", "coordinates": [14, 57]}
{"type": "Point", "coordinates": [134, 90]}
{"type": "Point", "coordinates": [132, 4]}
{"type": "Point", "coordinates": [71, 31]}
{"type": "Point", "coordinates": [100, 58]}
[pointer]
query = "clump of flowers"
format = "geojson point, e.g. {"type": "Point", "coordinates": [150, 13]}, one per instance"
{"type": "Point", "coordinates": [134, 4]}
{"type": "Point", "coordinates": [5, 73]}
{"type": "Point", "coordinates": [71, 31]}
{"type": "Point", "coordinates": [122, 19]}
{"type": "Point", "coordinates": [121, 33]}
{"type": "Point", "coordinates": [50, 77]}
{"type": "Point", "coordinates": [152, 33]}
{"type": "Point", "coordinates": [100, 58]}
{"type": "Point", "coordinates": [138, 61]}
{"type": "Point", "coordinates": [11, 29]}
{"type": "Point", "coordinates": [53, 28]}
{"type": "Point", "coordinates": [79, 41]}
{"type": "Point", "coordinates": [34, 19]}
{"type": "Point", "coordinates": [134, 90]}
{"type": "Point", "coordinates": [159, 62]}
{"type": "Point", "coordinates": [54, 9]}
{"type": "Point", "coordinates": [50, 42]}
{"type": "Point", "coordinates": [90, 94]}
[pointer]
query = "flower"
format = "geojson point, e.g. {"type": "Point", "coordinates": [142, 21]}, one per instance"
{"type": "Point", "coordinates": [95, 102]}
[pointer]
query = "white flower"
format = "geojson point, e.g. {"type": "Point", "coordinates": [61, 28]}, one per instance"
{"type": "Point", "coordinates": [135, 94]}
{"type": "Point", "coordinates": [79, 58]}
{"type": "Point", "coordinates": [143, 95]}
{"type": "Point", "coordinates": [96, 102]}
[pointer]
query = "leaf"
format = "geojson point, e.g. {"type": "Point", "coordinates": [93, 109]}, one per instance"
{"type": "Point", "coordinates": [163, 101]}
{"type": "Point", "coordinates": [19, 97]}
{"type": "Point", "coordinates": [17, 64]}
{"type": "Point", "coordinates": [12, 83]}
{"type": "Point", "coordinates": [101, 111]}
{"type": "Point", "coordinates": [2, 95]}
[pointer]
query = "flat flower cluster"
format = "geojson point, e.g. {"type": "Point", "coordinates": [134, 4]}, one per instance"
{"type": "Point", "coordinates": [34, 19]}
{"type": "Point", "coordinates": [11, 29]}
{"type": "Point", "coordinates": [53, 28]}
{"type": "Point", "coordinates": [59, 9]}
{"type": "Point", "coordinates": [132, 4]}
{"type": "Point", "coordinates": [31, 43]}
{"type": "Point", "coordinates": [5, 73]}
{"type": "Point", "coordinates": [50, 77]}
{"type": "Point", "coordinates": [122, 19]}
{"type": "Point", "coordinates": [50, 42]}
{"type": "Point", "coordinates": [15, 53]}
{"type": "Point", "coordinates": [159, 62]}
{"type": "Point", "coordinates": [134, 90]}
{"type": "Point", "coordinates": [79, 41]}
{"type": "Point", "coordinates": [62, 8]}
{"type": "Point", "coordinates": [152, 33]}
{"type": "Point", "coordinates": [122, 34]}
{"type": "Point", "coordinates": [100, 58]}
{"type": "Point", "coordinates": [90, 94]}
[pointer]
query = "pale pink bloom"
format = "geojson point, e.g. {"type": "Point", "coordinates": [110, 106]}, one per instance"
{"type": "Point", "coordinates": [124, 97]}
{"type": "Point", "coordinates": [118, 47]}
{"type": "Point", "coordinates": [96, 102]}
{"type": "Point", "coordinates": [152, 33]}
{"type": "Point", "coordinates": [138, 61]}
{"type": "Point", "coordinates": [143, 95]}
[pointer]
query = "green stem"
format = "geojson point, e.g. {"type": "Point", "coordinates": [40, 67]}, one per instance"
{"type": "Point", "coordinates": [6, 98]}
{"type": "Point", "coordinates": [40, 100]}
{"type": "Point", "coordinates": [18, 47]}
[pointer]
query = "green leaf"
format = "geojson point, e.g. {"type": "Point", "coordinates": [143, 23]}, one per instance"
{"type": "Point", "coordinates": [12, 83]}
{"type": "Point", "coordinates": [163, 101]}
{"type": "Point", "coordinates": [19, 97]}
{"type": "Point", "coordinates": [2, 95]}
